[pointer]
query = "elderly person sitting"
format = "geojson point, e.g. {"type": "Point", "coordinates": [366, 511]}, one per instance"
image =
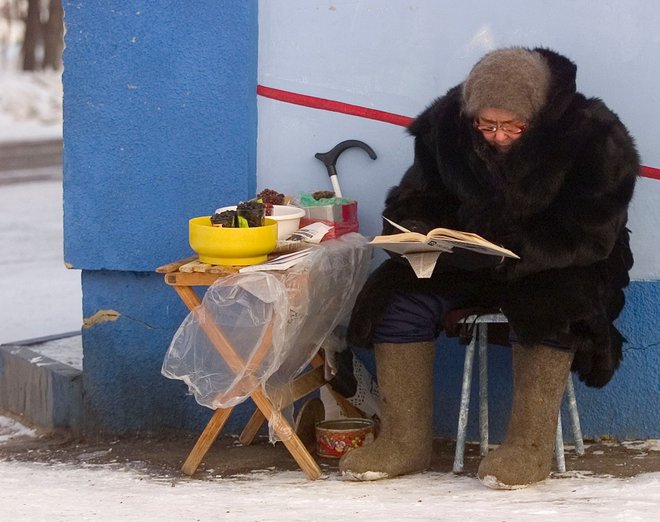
{"type": "Point", "coordinates": [520, 157]}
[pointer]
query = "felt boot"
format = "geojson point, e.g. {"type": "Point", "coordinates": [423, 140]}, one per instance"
{"type": "Point", "coordinates": [404, 444]}
{"type": "Point", "coordinates": [525, 457]}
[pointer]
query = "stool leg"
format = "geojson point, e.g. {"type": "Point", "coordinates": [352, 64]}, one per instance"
{"type": "Point", "coordinates": [483, 388]}
{"type": "Point", "coordinates": [465, 405]}
{"type": "Point", "coordinates": [575, 417]}
{"type": "Point", "coordinates": [559, 447]}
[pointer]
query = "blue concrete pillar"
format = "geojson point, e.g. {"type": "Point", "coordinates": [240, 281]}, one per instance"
{"type": "Point", "coordinates": [159, 126]}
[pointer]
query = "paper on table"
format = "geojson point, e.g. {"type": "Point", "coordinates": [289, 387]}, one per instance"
{"type": "Point", "coordinates": [423, 263]}
{"type": "Point", "coordinates": [282, 262]}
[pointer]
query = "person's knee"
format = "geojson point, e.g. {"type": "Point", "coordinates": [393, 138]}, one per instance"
{"type": "Point", "coordinates": [411, 318]}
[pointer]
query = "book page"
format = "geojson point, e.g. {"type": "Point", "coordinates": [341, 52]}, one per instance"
{"type": "Point", "coordinates": [400, 238]}
{"type": "Point", "coordinates": [456, 234]}
{"type": "Point", "coordinates": [423, 263]}
{"type": "Point", "coordinates": [396, 225]}
{"type": "Point", "coordinates": [411, 247]}
{"type": "Point", "coordinates": [483, 246]}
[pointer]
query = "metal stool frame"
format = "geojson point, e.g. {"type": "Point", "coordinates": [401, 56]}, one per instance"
{"type": "Point", "coordinates": [480, 338]}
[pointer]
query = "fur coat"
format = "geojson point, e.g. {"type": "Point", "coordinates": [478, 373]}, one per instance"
{"type": "Point", "coordinates": [558, 198]}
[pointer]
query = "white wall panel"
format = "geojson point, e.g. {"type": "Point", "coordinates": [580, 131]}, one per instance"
{"type": "Point", "coordinates": [398, 56]}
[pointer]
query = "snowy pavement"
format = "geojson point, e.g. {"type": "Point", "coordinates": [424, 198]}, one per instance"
{"type": "Point", "coordinates": [63, 492]}
{"type": "Point", "coordinates": [57, 490]}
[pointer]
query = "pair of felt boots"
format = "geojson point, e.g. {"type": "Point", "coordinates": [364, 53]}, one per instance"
{"type": "Point", "coordinates": [404, 445]}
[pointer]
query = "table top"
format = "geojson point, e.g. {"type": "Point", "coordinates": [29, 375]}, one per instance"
{"type": "Point", "coordinates": [190, 271]}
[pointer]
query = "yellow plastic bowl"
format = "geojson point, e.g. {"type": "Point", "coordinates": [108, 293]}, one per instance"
{"type": "Point", "coordinates": [231, 246]}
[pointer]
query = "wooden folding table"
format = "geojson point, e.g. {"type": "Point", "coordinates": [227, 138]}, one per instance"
{"type": "Point", "coordinates": [185, 274]}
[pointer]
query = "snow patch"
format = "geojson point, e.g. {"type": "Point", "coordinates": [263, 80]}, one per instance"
{"type": "Point", "coordinates": [364, 477]}
{"type": "Point", "coordinates": [30, 105]}
{"type": "Point", "coordinates": [642, 445]}
{"type": "Point", "coordinates": [11, 429]}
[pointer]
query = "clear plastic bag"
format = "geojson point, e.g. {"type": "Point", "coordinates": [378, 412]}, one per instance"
{"type": "Point", "coordinates": [270, 324]}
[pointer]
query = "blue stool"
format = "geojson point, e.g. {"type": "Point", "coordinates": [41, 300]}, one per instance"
{"type": "Point", "coordinates": [480, 338]}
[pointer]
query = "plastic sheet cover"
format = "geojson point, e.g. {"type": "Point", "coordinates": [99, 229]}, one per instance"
{"type": "Point", "coordinates": [269, 325]}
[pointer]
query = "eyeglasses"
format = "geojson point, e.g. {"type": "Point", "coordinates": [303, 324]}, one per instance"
{"type": "Point", "coordinates": [508, 127]}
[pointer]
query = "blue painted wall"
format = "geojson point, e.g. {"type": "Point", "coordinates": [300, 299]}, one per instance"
{"type": "Point", "coordinates": [160, 125]}
{"type": "Point", "coordinates": [627, 408]}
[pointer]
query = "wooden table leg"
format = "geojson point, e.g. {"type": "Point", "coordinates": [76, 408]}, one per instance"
{"type": "Point", "coordinates": [252, 428]}
{"type": "Point", "coordinates": [288, 436]}
{"type": "Point", "coordinates": [205, 440]}
{"type": "Point", "coordinates": [299, 388]}
{"type": "Point", "coordinates": [282, 428]}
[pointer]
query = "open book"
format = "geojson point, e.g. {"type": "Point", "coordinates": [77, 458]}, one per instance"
{"type": "Point", "coordinates": [422, 251]}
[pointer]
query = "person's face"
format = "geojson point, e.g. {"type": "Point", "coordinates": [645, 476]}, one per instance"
{"type": "Point", "coordinates": [500, 127]}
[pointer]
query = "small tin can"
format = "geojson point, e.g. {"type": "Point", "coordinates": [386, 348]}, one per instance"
{"type": "Point", "coordinates": [336, 437]}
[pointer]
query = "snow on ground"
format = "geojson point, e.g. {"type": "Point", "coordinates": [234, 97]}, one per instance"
{"type": "Point", "coordinates": [12, 429]}
{"type": "Point", "coordinates": [39, 296]}
{"type": "Point", "coordinates": [63, 492]}
{"type": "Point", "coordinates": [32, 491]}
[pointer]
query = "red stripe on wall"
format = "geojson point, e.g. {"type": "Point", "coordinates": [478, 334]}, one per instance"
{"type": "Point", "coordinates": [333, 106]}
{"type": "Point", "coordinates": [364, 112]}
{"type": "Point", "coordinates": [651, 172]}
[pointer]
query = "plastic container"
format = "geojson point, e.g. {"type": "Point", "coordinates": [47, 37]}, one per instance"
{"type": "Point", "coordinates": [288, 219]}
{"type": "Point", "coordinates": [231, 246]}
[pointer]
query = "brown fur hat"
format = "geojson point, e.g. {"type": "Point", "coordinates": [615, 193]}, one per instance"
{"type": "Point", "coordinates": [514, 79]}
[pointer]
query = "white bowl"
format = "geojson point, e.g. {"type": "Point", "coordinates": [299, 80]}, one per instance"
{"type": "Point", "coordinates": [287, 217]}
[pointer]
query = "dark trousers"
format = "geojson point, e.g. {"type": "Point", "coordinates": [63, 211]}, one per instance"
{"type": "Point", "coordinates": [411, 318]}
